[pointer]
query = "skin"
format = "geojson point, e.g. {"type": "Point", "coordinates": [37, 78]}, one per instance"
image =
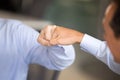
{"type": "Point", "coordinates": [57, 35]}
{"type": "Point", "coordinates": [112, 41]}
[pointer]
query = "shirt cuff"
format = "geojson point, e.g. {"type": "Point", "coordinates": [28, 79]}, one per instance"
{"type": "Point", "coordinates": [90, 44]}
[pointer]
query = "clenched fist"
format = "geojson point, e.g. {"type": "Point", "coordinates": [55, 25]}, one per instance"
{"type": "Point", "coordinates": [56, 35]}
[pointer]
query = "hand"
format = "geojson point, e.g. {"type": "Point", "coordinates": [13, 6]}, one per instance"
{"type": "Point", "coordinates": [46, 35]}
{"type": "Point", "coordinates": [56, 35]}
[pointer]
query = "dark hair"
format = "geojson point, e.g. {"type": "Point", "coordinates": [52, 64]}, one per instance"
{"type": "Point", "coordinates": [115, 22]}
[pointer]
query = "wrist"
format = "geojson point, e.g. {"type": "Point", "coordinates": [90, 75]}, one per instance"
{"type": "Point", "coordinates": [79, 37]}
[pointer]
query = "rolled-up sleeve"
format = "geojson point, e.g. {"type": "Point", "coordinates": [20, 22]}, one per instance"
{"type": "Point", "coordinates": [53, 57]}
{"type": "Point", "coordinates": [61, 56]}
{"type": "Point", "coordinates": [100, 50]}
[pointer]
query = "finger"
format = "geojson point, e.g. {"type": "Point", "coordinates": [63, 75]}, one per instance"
{"type": "Point", "coordinates": [48, 33]}
{"type": "Point", "coordinates": [55, 33]}
{"type": "Point", "coordinates": [53, 28]}
{"type": "Point", "coordinates": [53, 42]}
{"type": "Point", "coordinates": [42, 41]}
{"type": "Point", "coordinates": [42, 34]}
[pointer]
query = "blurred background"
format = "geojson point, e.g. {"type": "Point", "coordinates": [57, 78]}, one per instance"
{"type": "Point", "coordinates": [82, 15]}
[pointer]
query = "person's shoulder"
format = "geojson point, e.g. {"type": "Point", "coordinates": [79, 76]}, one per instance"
{"type": "Point", "coordinates": [10, 21]}
{"type": "Point", "coordinates": [10, 24]}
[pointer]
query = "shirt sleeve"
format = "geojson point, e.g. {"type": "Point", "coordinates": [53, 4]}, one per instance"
{"type": "Point", "coordinates": [53, 57]}
{"type": "Point", "coordinates": [100, 50]}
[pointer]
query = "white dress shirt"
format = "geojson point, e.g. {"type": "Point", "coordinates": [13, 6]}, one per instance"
{"type": "Point", "coordinates": [19, 48]}
{"type": "Point", "coordinates": [100, 50]}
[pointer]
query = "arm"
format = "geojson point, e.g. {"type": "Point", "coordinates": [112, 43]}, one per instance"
{"type": "Point", "coordinates": [65, 36]}
{"type": "Point", "coordinates": [54, 57]}
{"type": "Point", "coordinates": [51, 35]}
{"type": "Point", "coordinates": [100, 50]}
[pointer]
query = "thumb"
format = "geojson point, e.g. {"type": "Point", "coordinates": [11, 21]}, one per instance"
{"type": "Point", "coordinates": [53, 42]}
{"type": "Point", "coordinates": [49, 31]}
